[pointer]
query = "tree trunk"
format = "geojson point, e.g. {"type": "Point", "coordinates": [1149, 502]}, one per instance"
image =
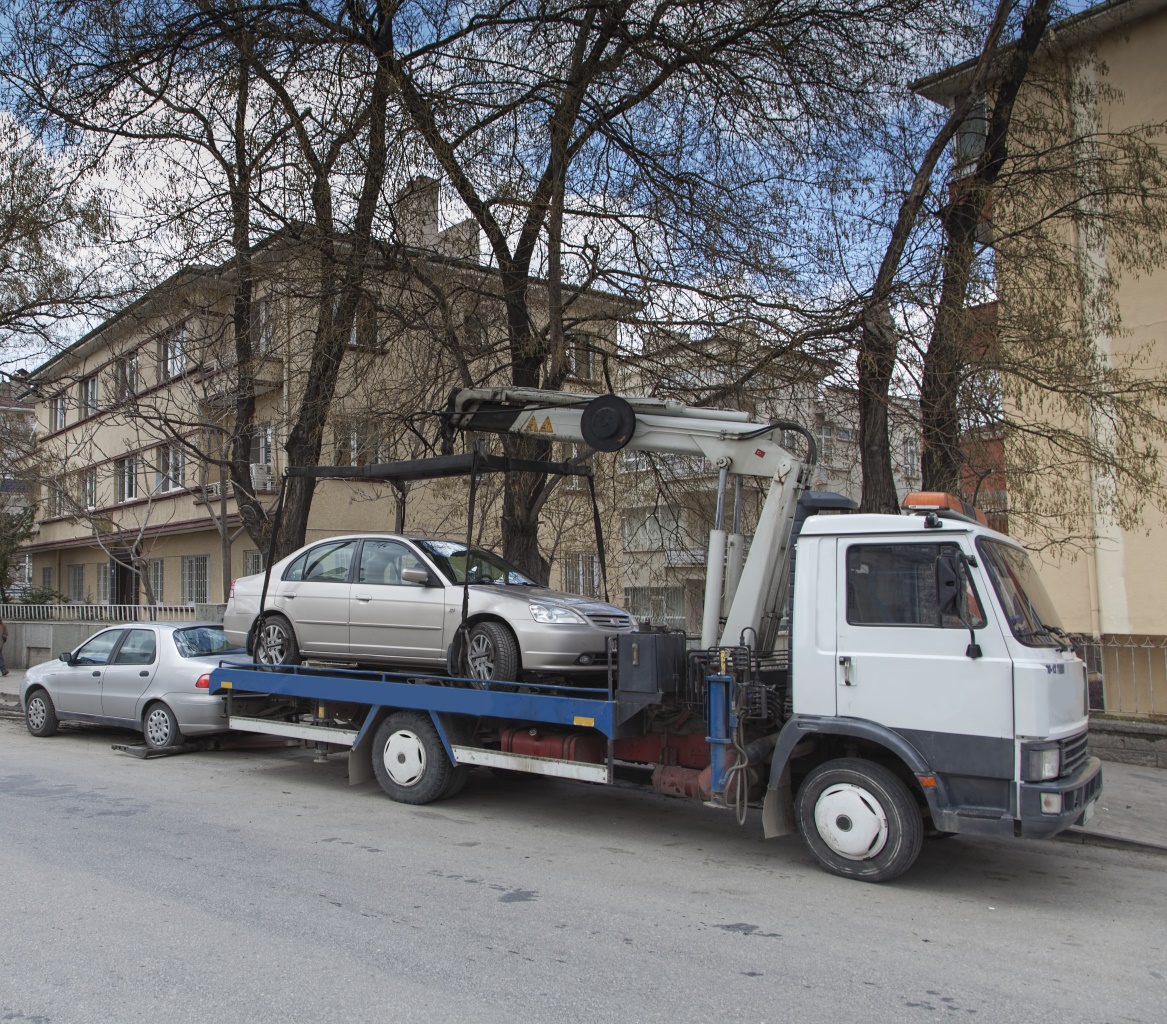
{"type": "Point", "coordinates": [877, 360]}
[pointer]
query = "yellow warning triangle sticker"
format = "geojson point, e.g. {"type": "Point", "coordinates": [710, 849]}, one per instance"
{"type": "Point", "coordinates": [546, 428]}
{"type": "Point", "coordinates": [532, 425]}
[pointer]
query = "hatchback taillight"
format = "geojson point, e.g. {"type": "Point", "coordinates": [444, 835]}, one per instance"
{"type": "Point", "coordinates": [204, 682]}
{"type": "Point", "coordinates": [232, 593]}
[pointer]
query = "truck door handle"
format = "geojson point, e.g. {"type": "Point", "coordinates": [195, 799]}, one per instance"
{"type": "Point", "coordinates": [845, 661]}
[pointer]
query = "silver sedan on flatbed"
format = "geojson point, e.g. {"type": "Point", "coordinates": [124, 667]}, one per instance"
{"type": "Point", "coordinates": [148, 676]}
{"type": "Point", "coordinates": [384, 599]}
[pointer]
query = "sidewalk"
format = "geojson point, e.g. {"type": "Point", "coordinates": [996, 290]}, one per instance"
{"type": "Point", "coordinates": [1131, 811]}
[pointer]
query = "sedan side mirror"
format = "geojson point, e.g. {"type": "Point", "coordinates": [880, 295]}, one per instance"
{"type": "Point", "coordinates": [415, 576]}
{"type": "Point", "coordinates": [67, 658]}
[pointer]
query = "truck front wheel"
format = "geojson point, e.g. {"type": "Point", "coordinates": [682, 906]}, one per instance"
{"type": "Point", "coordinates": [859, 820]}
{"type": "Point", "coordinates": [409, 760]}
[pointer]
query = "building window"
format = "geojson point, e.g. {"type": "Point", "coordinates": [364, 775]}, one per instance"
{"type": "Point", "coordinates": [126, 478]}
{"type": "Point", "coordinates": [170, 468]}
{"type": "Point", "coordinates": [47, 577]}
{"type": "Point", "coordinates": [55, 496]}
{"type": "Point", "coordinates": [662, 606]}
{"type": "Point", "coordinates": [57, 413]}
{"type": "Point", "coordinates": [833, 441]}
{"type": "Point", "coordinates": [157, 578]}
{"type": "Point", "coordinates": [473, 335]}
{"type": "Point", "coordinates": [654, 529]}
{"type": "Point", "coordinates": [252, 562]}
{"type": "Point", "coordinates": [911, 448]}
{"type": "Point", "coordinates": [264, 328]}
{"type": "Point", "coordinates": [261, 446]}
{"type": "Point", "coordinates": [125, 377]}
{"type": "Point", "coordinates": [76, 577]}
{"type": "Point", "coordinates": [194, 579]}
{"type": "Point", "coordinates": [366, 330]}
{"type": "Point", "coordinates": [88, 397]}
{"type": "Point", "coordinates": [104, 572]}
{"type": "Point", "coordinates": [581, 574]}
{"type": "Point", "coordinates": [357, 442]}
{"type": "Point", "coordinates": [581, 356]}
{"type": "Point", "coordinates": [89, 487]}
{"type": "Point", "coordinates": [172, 353]}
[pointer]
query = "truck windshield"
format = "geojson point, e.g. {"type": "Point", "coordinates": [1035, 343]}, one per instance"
{"type": "Point", "coordinates": [472, 565]}
{"type": "Point", "coordinates": [1026, 604]}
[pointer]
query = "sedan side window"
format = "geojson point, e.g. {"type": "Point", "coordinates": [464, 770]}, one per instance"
{"type": "Point", "coordinates": [329, 563]}
{"type": "Point", "coordinates": [383, 560]}
{"type": "Point", "coordinates": [295, 571]}
{"type": "Point", "coordinates": [137, 649]}
{"type": "Point", "coordinates": [96, 651]}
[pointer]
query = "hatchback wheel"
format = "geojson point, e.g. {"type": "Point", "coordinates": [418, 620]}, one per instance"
{"type": "Point", "coordinates": [275, 642]}
{"type": "Point", "coordinates": [39, 714]}
{"type": "Point", "coordinates": [160, 727]}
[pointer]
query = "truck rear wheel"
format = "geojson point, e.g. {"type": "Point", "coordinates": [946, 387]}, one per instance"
{"type": "Point", "coordinates": [409, 760]}
{"type": "Point", "coordinates": [859, 820]}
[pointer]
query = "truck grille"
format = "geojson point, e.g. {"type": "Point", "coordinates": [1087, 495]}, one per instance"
{"type": "Point", "coordinates": [1073, 752]}
{"type": "Point", "coordinates": [608, 621]}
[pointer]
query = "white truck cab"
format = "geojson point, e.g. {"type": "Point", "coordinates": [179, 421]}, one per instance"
{"type": "Point", "coordinates": [926, 644]}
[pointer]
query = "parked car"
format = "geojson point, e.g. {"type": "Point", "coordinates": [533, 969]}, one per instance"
{"type": "Point", "coordinates": [383, 599]}
{"type": "Point", "coordinates": [148, 676]}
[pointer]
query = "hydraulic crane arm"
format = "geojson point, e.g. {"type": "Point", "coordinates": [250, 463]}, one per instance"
{"type": "Point", "coordinates": [732, 441]}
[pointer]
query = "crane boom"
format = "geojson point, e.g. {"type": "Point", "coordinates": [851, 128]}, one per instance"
{"type": "Point", "coordinates": [732, 441]}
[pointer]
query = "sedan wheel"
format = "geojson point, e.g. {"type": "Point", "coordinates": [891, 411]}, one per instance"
{"type": "Point", "coordinates": [275, 643]}
{"type": "Point", "coordinates": [492, 653]}
{"type": "Point", "coordinates": [160, 728]}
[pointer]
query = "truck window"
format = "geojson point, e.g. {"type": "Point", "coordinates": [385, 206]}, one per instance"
{"type": "Point", "coordinates": [895, 585]}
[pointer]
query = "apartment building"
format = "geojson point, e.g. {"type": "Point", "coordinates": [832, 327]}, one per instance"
{"type": "Point", "coordinates": [132, 419]}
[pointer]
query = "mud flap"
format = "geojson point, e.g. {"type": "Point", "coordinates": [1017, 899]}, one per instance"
{"type": "Point", "coordinates": [360, 758]}
{"type": "Point", "coordinates": [778, 808]}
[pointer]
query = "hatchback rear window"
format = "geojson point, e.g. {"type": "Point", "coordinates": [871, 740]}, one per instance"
{"type": "Point", "coordinates": [199, 641]}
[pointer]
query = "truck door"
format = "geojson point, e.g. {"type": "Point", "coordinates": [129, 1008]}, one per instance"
{"type": "Point", "coordinates": [903, 664]}
{"type": "Point", "coordinates": [391, 617]}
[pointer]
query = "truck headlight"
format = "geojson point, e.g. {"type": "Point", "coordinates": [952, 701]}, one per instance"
{"type": "Point", "coordinates": [1041, 763]}
{"type": "Point", "coordinates": [555, 613]}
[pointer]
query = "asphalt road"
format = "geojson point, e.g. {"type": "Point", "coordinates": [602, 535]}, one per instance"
{"type": "Point", "coordinates": [257, 886]}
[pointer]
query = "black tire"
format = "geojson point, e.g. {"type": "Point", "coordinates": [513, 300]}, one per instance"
{"type": "Point", "coordinates": [409, 760]}
{"type": "Point", "coordinates": [275, 642]}
{"type": "Point", "coordinates": [492, 653]}
{"type": "Point", "coordinates": [40, 714]}
{"type": "Point", "coordinates": [459, 776]}
{"type": "Point", "coordinates": [859, 820]}
{"type": "Point", "coordinates": [160, 727]}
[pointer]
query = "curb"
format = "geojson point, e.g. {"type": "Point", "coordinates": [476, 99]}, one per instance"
{"type": "Point", "coordinates": [1083, 838]}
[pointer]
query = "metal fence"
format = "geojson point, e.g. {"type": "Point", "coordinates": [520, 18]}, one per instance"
{"type": "Point", "coordinates": [1127, 674]}
{"type": "Point", "coordinates": [101, 613]}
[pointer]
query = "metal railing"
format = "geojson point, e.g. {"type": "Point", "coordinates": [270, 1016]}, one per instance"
{"type": "Point", "coordinates": [1127, 673]}
{"type": "Point", "coordinates": [111, 612]}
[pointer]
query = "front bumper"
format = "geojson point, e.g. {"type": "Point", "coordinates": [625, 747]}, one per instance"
{"type": "Point", "coordinates": [1077, 790]}
{"type": "Point", "coordinates": [558, 647]}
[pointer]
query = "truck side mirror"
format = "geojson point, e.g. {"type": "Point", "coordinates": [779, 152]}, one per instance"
{"type": "Point", "coordinates": [948, 584]}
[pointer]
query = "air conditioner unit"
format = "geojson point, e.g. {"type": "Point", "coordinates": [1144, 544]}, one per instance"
{"type": "Point", "coordinates": [260, 477]}
{"type": "Point", "coordinates": [213, 490]}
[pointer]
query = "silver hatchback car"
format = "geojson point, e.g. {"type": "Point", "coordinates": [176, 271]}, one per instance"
{"type": "Point", "coordinates": [384, 599]}
{"type": "Point", "coordinates": [148, 676]}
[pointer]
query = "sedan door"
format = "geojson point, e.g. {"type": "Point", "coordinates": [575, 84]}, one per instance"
{"type": "Point", "coordinates": [391, 617]}
{"type": "Point", "coordinates": [315, 596]}
{"type": "Point", "coordinates": [129, 674]}
{"type": "Point", "coordinates": [76, 688]}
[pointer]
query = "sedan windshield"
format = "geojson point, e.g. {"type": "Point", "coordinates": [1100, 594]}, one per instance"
{"type": "Point", "coordinates": [1024, 600]}
{"type": "Point", "coordinates": [472, 565]}
{"type": "Point", "coordinates": [200, 641]}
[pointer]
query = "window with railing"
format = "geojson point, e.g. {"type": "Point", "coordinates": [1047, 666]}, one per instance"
{"type": "Point", "coordinates": [581, 574]}
{"type": "Point", "coordinates": [194, 579]}
{"type": "Point", "coordinates": [662, 606]}
{"type": "Point", "coordinates": [252, 562]}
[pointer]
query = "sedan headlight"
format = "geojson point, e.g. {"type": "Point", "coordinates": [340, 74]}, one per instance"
{"type": "Point", "coordinates": [1041, 763]}
{"type": "Point", "coordinates": [555, 613]}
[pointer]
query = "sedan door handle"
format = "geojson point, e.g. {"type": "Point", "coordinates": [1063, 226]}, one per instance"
{"type": "Point", "coordinates": [364, 597]}
{"type": "Point", "coordinates": [289, 597]}
{"type": "Point", "coordinates": [97, 673]}
{"type": "Point", "coordinates": [144, 672]}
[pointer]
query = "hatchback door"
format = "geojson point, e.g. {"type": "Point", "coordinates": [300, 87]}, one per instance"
{"type": "Point", "coordinates": [76, 688]}
{"type": "Point", "coordinates": [315, 594]}
{"type": "Point", "coordinates": [129, 674]}
{"type": "Point", "coordinates": [391, 617]}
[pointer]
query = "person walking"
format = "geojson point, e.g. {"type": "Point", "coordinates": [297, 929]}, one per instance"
{"type": "Point", "coordinates": [3, 641]}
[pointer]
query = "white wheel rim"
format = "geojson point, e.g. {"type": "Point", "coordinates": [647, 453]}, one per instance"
{"type": "Point", "coordinates": [272, 644]}
{"type": "Point", "coordinates": [158, 727]}
{"type": "Point", "coordinates": [481, 657]}
{"type": "Point", "coordinates": [851, 821]}
{"type": "Point", "coordinates": [37, 712]}
{"type": "Point", "coordinates": [405, 758]}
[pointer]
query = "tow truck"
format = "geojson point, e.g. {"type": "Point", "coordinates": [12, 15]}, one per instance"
{"type": "Point", "coordinates": [871, 679]}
